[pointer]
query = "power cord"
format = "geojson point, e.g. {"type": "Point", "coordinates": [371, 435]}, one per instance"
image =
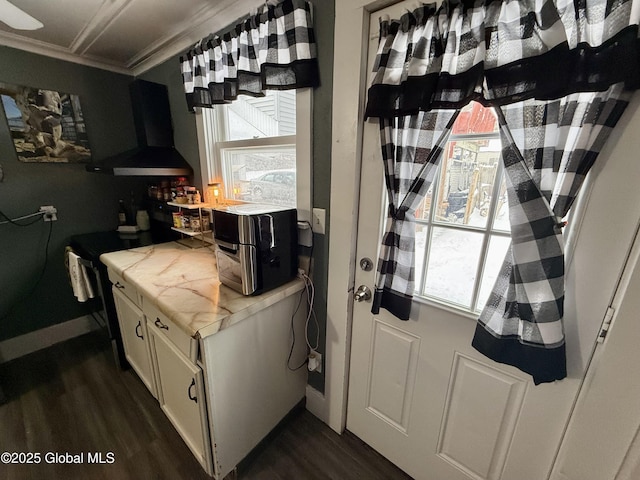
{"type": "Point", "coordinates": [46, 257]}
{"type": "Point", "coordinates": [14, 221]}
{"type": "Point", "coordinates": [309, 289]}
{"type": "Point", "coordinates": [293, 338]}
{"type": "Point", "coordinates": [311, 293]}
{"type": "Point", "coordinates": [311, 250]}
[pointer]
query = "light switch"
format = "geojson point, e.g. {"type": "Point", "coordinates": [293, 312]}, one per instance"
{"type": "Point", "coordinates": [318, 220]}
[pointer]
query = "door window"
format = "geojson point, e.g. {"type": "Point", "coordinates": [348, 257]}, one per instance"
{"type": "Point", "coordinates": [462, 225]}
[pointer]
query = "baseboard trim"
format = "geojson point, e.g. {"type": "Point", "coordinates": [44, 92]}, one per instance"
{"type": "Point", "coordinates": [45, 337]}
{"type": "Point", "coordinates": [317, 404]}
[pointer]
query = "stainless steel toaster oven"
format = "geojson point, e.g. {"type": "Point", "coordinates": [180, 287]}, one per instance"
{"type": "Point", "coordinates": [257, 246]}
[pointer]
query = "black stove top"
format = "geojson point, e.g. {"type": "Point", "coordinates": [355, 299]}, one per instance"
{"type": "Point", "coordinates": [91, 245]}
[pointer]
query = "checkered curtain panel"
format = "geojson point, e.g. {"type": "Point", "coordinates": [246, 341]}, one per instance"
{"type": "Point", "coordinates": [533, 59]}
{"type": "Point", "coordinates": [274, 49]}
{"type": "Point", "coordinates": [412, 146]}
{"type": "Point", "coordinates": [547, 149]}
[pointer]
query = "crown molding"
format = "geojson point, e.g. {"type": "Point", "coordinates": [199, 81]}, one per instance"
{"type": "Point", "coordinates": [208, 20]}
{"type": "Point", "coordinates": [108, 12]}
{"type": "Point", "coordinates": [60, 53]}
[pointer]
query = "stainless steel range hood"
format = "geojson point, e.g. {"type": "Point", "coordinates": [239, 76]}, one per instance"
{"type": "Point", "coordinates": [156, 154]}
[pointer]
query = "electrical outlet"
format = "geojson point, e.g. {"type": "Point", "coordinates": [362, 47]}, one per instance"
{"type": "Point", "coordinates": [49, 214]}
{"type": "Point", "coordinates": [315, 362]}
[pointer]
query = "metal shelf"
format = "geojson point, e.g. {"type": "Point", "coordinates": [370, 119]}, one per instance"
{"type": "Point", "coordinates": [191, 206]}
{"type": "Point", "coordinates": [192, 235]}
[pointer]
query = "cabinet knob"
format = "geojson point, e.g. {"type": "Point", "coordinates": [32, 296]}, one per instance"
{"type": "Point", "coordinates": [193, 384]}
{"type": "Point", "coordinates": [119, 285]}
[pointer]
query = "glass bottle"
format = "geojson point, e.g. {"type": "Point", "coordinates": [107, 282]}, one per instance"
{"type": "Point", "coordinates": [122, 213]}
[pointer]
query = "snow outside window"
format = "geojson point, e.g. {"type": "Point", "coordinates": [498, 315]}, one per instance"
{"type": "Point", "coordinates": [462, 225]}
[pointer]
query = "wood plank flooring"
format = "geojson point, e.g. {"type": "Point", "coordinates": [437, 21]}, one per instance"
{"type": "Point", "coordinates": [71, 398]}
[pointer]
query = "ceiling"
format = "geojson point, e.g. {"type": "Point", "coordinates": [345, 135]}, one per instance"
{"type": "Point", "coordinates": [125, 36]}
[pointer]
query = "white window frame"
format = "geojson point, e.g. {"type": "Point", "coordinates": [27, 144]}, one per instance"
{"type": "Point", "coordinates": [487, 232]}
{"type": "Point", "coordinates": [209, 129]}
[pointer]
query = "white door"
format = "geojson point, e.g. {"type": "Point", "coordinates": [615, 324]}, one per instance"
{"type": "Point", "coordinates": [424, 398]}
{"type": "Point", "coordinates": [603, 436]}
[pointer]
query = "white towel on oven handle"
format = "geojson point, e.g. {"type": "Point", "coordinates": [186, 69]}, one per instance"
{"type": "Point", "coordinates": [80, 282]}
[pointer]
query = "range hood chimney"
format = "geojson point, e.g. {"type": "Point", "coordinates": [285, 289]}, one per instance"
{"type": "Point", "coordinates": [156, 154]}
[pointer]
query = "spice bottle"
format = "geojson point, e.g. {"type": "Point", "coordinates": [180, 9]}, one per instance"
{"type": "Point", "coordinates": [195, 222]}
{"type": "Point", "coordinates": [122, 213]}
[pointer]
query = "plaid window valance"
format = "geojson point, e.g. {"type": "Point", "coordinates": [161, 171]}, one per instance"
{"type": "Point", "coordinates": [559, 74]}
{"type": "Point", "coordinates": [500, 52]}
{"type": "Point", "coordinates": [274, 49]}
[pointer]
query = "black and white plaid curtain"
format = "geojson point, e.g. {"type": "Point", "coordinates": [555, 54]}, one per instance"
{"type": "Point", "coordinates": [561, 72]}
{"type": "Point", "coordinates": [272, 50]}
{"type": "Point", "coordinates": [411, 149]}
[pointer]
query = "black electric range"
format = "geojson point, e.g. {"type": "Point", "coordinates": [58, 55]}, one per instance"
{"type": "Point", "coordinates": [89, 247]}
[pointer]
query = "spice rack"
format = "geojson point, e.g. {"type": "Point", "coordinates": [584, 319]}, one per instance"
{"type": "Point", "coordinates": [190, 238]}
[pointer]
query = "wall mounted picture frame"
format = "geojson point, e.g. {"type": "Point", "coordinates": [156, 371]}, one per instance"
{"type": "Point", "coordinates": [46, 126]}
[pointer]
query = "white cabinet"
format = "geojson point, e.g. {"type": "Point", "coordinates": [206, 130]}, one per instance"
{"type": "Point", "coordinates": [181, 394]}
{"type": "Point", "coordinates": [134, 333]}
{"type": "Point", "coordinates": [223, 392]}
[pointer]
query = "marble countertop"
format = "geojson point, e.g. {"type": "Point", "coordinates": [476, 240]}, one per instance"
{"type": "Point", "coordinates": [183, 284]}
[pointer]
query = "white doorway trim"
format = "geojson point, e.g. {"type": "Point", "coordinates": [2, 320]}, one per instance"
{"type": "Point", "coordinates": [349, 74]}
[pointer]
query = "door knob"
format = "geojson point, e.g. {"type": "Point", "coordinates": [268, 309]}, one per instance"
{"type": "Point", "coordinates": [362, 293]}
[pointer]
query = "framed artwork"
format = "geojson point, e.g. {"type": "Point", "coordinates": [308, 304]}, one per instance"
{"type": "Point", "coordinates": [45, 125]}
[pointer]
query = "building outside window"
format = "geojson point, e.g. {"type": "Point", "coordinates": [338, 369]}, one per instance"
{"type": "Point", "coordinates": [462, 225]}
{"type": "Point", "coordinates": [253, 148]}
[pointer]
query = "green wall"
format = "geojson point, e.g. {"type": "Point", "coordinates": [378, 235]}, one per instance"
{"type": "Point", "coordinates": [86, 202]}
{"type": "Point", "coordinates": [324, 21]}
{"type": "Point", "coordinates": [184, 126]}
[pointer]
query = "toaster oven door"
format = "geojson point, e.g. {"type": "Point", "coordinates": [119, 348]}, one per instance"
{"type": "Point", "coordinates": [237, 268]}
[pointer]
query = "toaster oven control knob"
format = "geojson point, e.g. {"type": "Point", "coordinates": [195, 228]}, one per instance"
{"type": "Point", "coordinates": [362, 294]}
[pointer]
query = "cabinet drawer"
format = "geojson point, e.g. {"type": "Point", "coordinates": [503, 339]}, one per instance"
{"type": "Point", "coordinates": [125, 287]}
{"type": "Point", "coordinates": [186, 344]}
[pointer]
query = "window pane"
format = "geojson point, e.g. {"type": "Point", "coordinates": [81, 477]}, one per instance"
{"type": "Point", "coordinates": [422, 212]}
{"type": "Point", "coordinates": [501, 221]}
{"type": "Point", "coordinates": [453, 264]}
{"type": "Point", "coordinates": [263, 174]}
{"type": "Point", "coordinates": [273, 115]}
{"type": "Point", "coordinates": [498, 246]}
{"type": "Point", "coordinates": [421, 247]}
{"type": "Point", "coordinates": [466, 182]}
{"type": "Point", "coordinates": [474, 118]}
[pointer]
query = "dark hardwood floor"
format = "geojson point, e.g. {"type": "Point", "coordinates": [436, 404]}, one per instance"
{"type": "Point", "coordinates": [71, 398]}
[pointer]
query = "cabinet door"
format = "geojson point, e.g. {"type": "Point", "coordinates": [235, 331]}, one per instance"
{"type": "Point", "coordinates": [134, 336]}
{"type": "Point", "coordinates": [181, 394]}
